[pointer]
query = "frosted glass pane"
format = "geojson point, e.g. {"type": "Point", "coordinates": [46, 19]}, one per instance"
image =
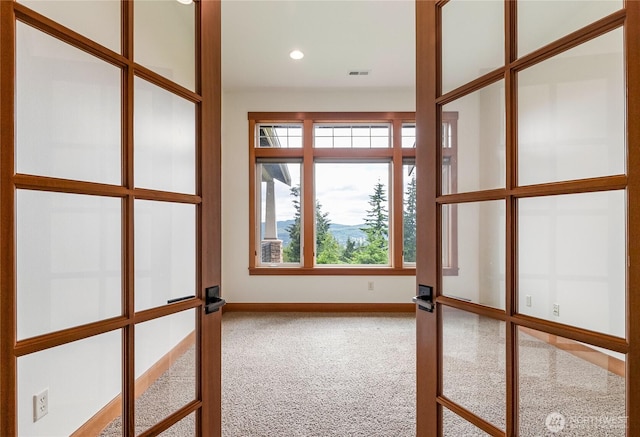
{"type": "Point", "coordinates": [568, 388]}
{"type": "Point", "coordinates": [473, 364]}
{"type": "Point", "coordinates": [68, 260]}
{"type": "Point", "coordinates": [164, 139]}
{"type": "Point", "coordinates": [164, 39]}
{"type": "Point", "coordinates": [81, 378]}
{"type": "Point", "coordinates": [541, 21]}
{"type": "Point", "coordinates": [480, 248]}
{"type": "Point", "coordinates": [572, 254]}
{"type": "Point", "coordinates": [571, 114]}
{"type": "Point", "coordinates": [477, 138]}
{"type": "Point", "coordinates": [472, 40]}
{"type": "Point", "coordinates": [166, 358]}
{"type": "Point", "coordinates": [165, 252]}
{"type": "Point", "coordinates": [97, 20]}
{"type": "Point", "coordinates": [68, 122]}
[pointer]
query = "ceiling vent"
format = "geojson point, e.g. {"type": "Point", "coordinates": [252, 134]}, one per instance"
{"type": "Point", "coordinates": [359, 72]}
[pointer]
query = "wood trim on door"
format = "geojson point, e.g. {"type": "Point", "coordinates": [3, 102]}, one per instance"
{"type": "Point", "coordinates": [207, 99]}
{"type": "Point", "coordinates": [632, 53]}
{"type": "Point", "coordinates": [210, 119]}
{"type": "Point", "coordinates": [8, 410]}
{"type": "Point", "coordinates": [429, 104]}
{"type": "Point", "coordinates": [428, 413]}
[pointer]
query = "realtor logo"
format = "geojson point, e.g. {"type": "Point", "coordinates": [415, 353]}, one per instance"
{"type": "Point", "coordinates": [555, 422]}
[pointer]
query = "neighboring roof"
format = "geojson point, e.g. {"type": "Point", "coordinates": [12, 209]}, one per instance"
{"type": "Point", "coordinates": [280, 172]}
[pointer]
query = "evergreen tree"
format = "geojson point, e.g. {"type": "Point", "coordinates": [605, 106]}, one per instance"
{"type": "Point", "coordinates": [349, 251]}
{"type": "Point", "coordinates": [376, 251]}
{"type": "Point", "coordinates": [377, 220]}
{"type": "Point", "coordinates": [291, 253]}
{"type": "Point", "coordinates": [322, 226]}
{"type": "Point", "coordinates": [324, 238]}
{"type": "Point", "coordinates": [409, 222]}
{"type": "Point", "coordinates": [329, 250]}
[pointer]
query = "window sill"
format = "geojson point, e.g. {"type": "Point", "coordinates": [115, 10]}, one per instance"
{"type": "Point", "coordinates": [332, 271]}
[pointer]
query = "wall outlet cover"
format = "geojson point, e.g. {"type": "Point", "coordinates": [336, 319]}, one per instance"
{"type": "Point", "coordinates": [40, 404]}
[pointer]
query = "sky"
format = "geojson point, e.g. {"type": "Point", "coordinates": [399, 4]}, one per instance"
{"type": "Point", "coordinates": [342, 189]}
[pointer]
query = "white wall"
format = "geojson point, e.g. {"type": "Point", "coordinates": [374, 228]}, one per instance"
{"type": "Point", "coordinates": [237, 284]}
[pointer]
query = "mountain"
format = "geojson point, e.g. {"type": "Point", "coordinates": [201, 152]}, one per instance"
{"type": "Point", "coordinates": [340, 232]}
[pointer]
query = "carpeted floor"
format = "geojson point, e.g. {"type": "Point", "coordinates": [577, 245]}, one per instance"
{"type": "Point", "coordinates": [318, 375]}
{"type": "Point", "coordinates": [306, 374]}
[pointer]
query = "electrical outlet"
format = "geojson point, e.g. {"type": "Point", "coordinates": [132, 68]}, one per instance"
{"type": "Point", "coordinates": [528, 300]}
{"type": "Point", "coordinates": [40, 404]}
{"type": "Point", "coordinates": [370, 286]}
{"type": "Point", "coordinates": [556, 310]}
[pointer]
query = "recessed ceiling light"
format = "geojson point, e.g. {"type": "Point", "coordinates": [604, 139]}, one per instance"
{"type": "Point", "coordinates": [185, 2]}
{"type": "Point", "coordinates": [296, 54]}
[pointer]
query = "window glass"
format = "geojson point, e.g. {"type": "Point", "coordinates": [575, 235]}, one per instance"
{"type": "Point", "coordinates": [352, 213]}
{"type": "Point", "coordinates": [280, 209]}
{"type": "Point", "coordinates": [409, 212]}
{"type": "Point", "coordinates": [352, 136]}
{"type": "Point", "coordinates": [286, 136]}
{"type": "Point", "coordinates": [409, 135]}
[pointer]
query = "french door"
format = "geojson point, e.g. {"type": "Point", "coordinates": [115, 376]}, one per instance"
{"type": "Point", "coordinates": [536, 333]}
{"type": "Point", "coordinates": [109, 198]}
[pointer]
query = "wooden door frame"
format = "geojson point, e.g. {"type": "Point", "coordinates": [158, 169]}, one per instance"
{"type": "Point", "coordinates": [210, 225]}
{"type": "Point", "coordinates": [428, 100]}
{"type": "Point", "coordinates": [207, 100]}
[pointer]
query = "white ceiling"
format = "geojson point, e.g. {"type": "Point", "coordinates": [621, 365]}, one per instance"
{"type": "Point", "coordinates": [335, 36]}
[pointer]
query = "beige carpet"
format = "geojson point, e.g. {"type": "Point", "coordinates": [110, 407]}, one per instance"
{"type": "Point", "coordinates": [318, 375]}
{"type": "Point", "coordinates": [301, 374]}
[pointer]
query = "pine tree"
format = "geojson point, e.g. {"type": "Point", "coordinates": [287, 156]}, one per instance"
{"type": "Point", "coordinates": [376, 251]}
{"type": "Point", "coordinates": [409, 222]}
{"type": "Point", "coordinates": [349, 251]}
{"type": "Point", "coordinates": [291, 253]}
{"type": "Point", "coordinates": [329, 250]}
{"type": "Point", "coordinates": [324, 238]}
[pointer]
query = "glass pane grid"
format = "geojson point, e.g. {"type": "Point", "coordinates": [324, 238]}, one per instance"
{"type": "Point", "coordinates": [286, 136]}
{"type": "Point", "coordinates": [352, 136]}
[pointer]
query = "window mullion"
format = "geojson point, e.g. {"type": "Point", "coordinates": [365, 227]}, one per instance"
{"type": "Point", "coordinates": [308, 213]}
{"type": "Point", "coordinates": [396, 194]}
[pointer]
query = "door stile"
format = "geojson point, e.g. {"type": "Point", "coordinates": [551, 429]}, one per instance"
{"type": "Point", "coordinates": [632, 54]}
{"type": "Point", "coordinates": [511, 238]}
{"type": "Point", "coordinates": [8, 363]}
{"type": "Point", "coordinates": [128, 310]}
{"type": "Point", "coordinates": [428, 413]}
{"type": "Point", "coordinates": [210, 115]}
